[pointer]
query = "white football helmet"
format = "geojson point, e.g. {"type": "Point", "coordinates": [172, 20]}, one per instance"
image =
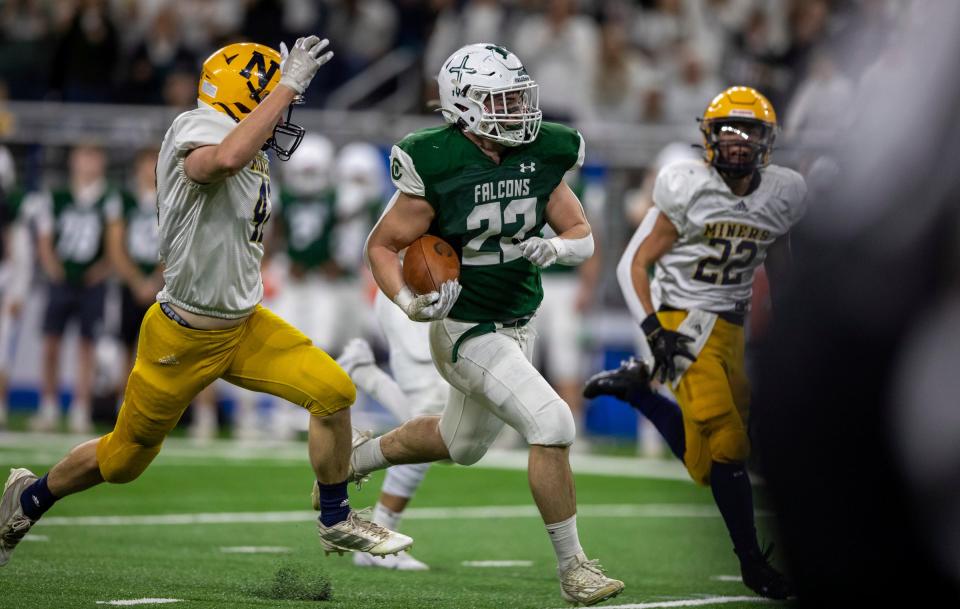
{"type": "Point", "coordinates": [485, 89]}
{"type": "Point", "coordinates": [308, 172]}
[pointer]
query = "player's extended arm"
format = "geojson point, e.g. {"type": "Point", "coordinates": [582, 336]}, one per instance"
{"type": "Point", "coordinates": [653, 238]}
{"type": "Point", "coordinates": [407, 218]}
{"type": "Point", "coordinates": [574, 241]}
{"type": "Point", "coordinates": [213, 163]}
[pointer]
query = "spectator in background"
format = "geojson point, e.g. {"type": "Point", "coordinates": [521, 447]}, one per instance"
{"type": "Point", "coordinates": [560, 50]}
{"type": "Point", "coordinates": [24, 56]}
{"type": "Point", "coordinates": [180, 89]}
{"type": "Point", "coordinates": [86, 54]}
{"type": "Point", "coordinates": [133, 247]}
{"type": "Point", "coordinates": [687, 87]}
{"type": "Point", "coordinates": [625, 78]}
{"type": "Point", "coordinates": [365, 30]}
{"type": "Point", "coordinates": [159, 54]}
{"type": "Point", "coordinates": [659, 29]}
{"type": "Point", "coordinates": [475, 21]}
{"type": "Point", "coordinates": [823, 99]}
{"type": "Point", "coordinates": [70, 228]}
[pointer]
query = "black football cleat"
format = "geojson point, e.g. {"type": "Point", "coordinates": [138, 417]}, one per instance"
{"type": "Point", "coordinates": [630, 377]}
{"type": "Point", "coordinates": [760, 576]}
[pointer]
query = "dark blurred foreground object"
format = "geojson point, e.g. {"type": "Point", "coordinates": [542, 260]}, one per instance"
{"type": "Point", "coordinates": [856, 412]}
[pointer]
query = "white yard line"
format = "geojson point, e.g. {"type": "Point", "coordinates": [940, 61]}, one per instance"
{"type": "Point", "coordinates": [664, 510]}
{"type": "Point", "coordinates": [727, 578]}
{"type": "Point", "coordinates": [255, 549]}
{"type": "Point", "coordinates": [497, 563]}
{"type": "Point", "coordinates": [692, 602]}
{"type": "Point", "coordinates": [140, 601]}
{"type": "Point", "coordinates": [49, 448]}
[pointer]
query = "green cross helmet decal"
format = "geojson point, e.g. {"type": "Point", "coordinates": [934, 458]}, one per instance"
{"type": "Point", "coordinates": [461, 69]}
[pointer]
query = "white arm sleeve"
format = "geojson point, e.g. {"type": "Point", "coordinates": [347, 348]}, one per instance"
{"type": "Point", "coordinates": [625, 266]}
{"type": "Point", "coordinates": [571, 252]}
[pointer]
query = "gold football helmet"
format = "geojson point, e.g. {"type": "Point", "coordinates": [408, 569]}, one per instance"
{"type": "Point", "coordinates": [739, 128]}
{"type": "Point", "coordinates": [237, 78]}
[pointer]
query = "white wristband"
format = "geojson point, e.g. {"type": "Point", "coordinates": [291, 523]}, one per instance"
{"type": "Point", "coordinates": [573, 251]}
{"type": "Point", "coordinates": [404, 298]}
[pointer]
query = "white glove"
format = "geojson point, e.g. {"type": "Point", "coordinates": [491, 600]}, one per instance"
{"type": "Point", "coordinates": [542, 252]}
{"type": "Point", "coordinates": [428, 307]}
{"type": "Point", "coordinates": [299, 65]}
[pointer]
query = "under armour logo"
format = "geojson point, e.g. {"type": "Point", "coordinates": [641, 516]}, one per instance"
{"type": "Point", "coordinates": [36, 501]}
{"type": "Point", "coordinates": [741, 206]}
{"type": "Point", "coordinates": [524, 168]}
{"type": "Point", "coordinates": [345, 503]}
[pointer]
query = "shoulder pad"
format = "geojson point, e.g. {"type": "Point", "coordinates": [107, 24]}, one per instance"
{"type": "Point", "coordinates": [560, 144]}
{"type": "Point", "coordinates": [200, 127]}
{"type": "Point", "coordinates": [675, 187]}
{"type": "Point", "coordinates": [791, 188]}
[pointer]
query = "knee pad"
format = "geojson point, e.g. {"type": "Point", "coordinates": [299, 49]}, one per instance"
{"type": "Point", "coordinates": [123, 461]}
{"type": "Point", "coordinates": [554, 426]}
{"type": "Point", "coordinates": [404, 480]}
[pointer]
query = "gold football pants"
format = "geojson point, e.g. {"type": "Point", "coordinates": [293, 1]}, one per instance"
{"type": "Point", "coordinates": [174, 363]}
{"type": "Point", "coordinates": [714, 396]}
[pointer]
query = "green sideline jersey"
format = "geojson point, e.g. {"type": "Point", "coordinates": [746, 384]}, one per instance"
{"type": "Point", "coordinates": [77, 230]}
{"type": "Point", "coordinates": [484, 209]}
{"type": "Point", "coordinates": [142, 232]}
{"type": "Point", "coordinates": [308, 224]}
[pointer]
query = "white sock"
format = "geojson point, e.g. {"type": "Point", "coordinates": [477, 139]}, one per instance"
{"type": "Point", "coordinates": [566, 542]}
{"type": "Point", "coordinates": [386, 517]}
{"type": "Point", "coordinates": [368, 457]}
{"type": "Point", "coordinates": [380, 386]}
{"type": "Point", "coordinates": [404, 480]}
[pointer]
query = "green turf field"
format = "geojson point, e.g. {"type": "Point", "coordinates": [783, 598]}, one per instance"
{"type": "Point", "coordinates": [663, 537]}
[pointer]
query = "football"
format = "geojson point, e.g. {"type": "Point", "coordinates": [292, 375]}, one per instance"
{"type": "Point", "coordinates": [429, 262]}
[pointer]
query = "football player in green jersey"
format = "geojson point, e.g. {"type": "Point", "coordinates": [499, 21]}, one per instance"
{"type": "Point", "coordinates": [70, 228]}
{"type": "Point", "coordinates": [487, 183]}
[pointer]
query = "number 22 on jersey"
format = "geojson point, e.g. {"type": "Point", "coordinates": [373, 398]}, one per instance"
{"type": "Point", "coordinates": [483, 250]}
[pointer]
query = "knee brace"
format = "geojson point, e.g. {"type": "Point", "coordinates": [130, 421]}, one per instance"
{"type": "Point", "coordinates": [122, 460]}
{"type": "Point", "coordinates": [404, 480]}
{"type": "Point", "coordinates": [553, 426]}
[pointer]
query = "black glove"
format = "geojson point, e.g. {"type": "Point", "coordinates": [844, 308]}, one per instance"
{"type": "Point", "coordinates": [665, 345]}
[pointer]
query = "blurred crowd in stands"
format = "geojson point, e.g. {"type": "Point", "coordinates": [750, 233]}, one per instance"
{"type": "Point", "coordinates": [629, 61]}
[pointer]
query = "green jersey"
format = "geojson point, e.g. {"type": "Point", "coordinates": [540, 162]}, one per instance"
{"type": "Point", "coordinates": [142, 231]}
{"type": "Point", "coordinates": [484, 210]}
{"type": "Point", "coordinates": [77, 229]}
{"type": "Point", "coordinates": [308, 224]}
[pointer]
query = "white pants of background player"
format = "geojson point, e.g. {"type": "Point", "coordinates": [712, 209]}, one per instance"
{"type": "Point", "coordinates": [419, 389]}
{"type": "Point", "coordinates": [328, 312]}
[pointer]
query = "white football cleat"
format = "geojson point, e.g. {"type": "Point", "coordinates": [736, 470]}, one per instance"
{"type": "Point", "coordinates": [45, 421]}
{"type": "Point", "coordinates": [402, 561]}
{"type": "Point", "coordinates": [13, 523]}
{"type": "Point", "coordinates": [356, 534]}
{"type": "Point", "coordinates": [79, 420]}
{"type": "Point", "coordinates": [356, 353]}
{"type": "Point", "coordinates": [584, 583]}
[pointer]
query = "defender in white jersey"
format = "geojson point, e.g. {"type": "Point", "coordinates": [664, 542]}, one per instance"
{"type": "Point", "coordinates": [713, 224]}
{"type": "Point", "coordinates": [213, 194]}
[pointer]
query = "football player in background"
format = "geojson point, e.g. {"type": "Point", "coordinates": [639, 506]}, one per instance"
{"type": "Point", "coordinates": [16, 269]}
{"type": "Point", "coordinates": [70, 243]}
{"type": "Point", "coordinates": [713, 224]}
{"type": "Point", "coordinates": [487, 183]}
{"type": "Point", "coordinates": [133, 246]}
{"type": "Point", "coordinates": [214, 200]}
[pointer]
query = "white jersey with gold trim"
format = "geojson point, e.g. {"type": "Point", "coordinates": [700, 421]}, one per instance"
{"type": "Point", "coordinates": [723, 238]}
{"type": "Point", "coordinates": [211, 235]}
